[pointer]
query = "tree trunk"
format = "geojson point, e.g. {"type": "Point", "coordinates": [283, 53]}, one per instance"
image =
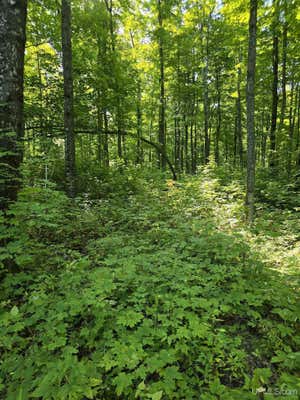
{"type": "Point", "coordinates": [298, 130]}
{"type": "Point", "coordinates": [177, 142]}
{"type": "Point", "coordinates": [272, 160]}
{"type": "Point", "coordinates": [235, 142]}
{"type": "Point", "coordinates": [186, 146]}
{"type": "Point", "coordinates": [182, 145]}
{"type": "Point", "coordinates": [283, 81]}
{"type": "Point", "coordinates": [12, 46]}
{"type": "Point", "coordinates": [162, 100]}
{"type": "Point", "coordinates": [119, 126]}
{"type": "Point", "coordinates": [105, 144]}
{"type": "Point", "coordinates": [177, 119]}
{"type": "Point", "coordinates": [68, 98]}
{"type": "Point", "coordinates": [195, 158]}
{"type": "Point", "coordinates": [99, 129]}
{"type": "Point", "coordinates": [139, 150]}
{"type": "Point", "coordinates": [192, 150]}
{"type": "Point", "coordinates": [250, 112]}
{"type": "Point", "coordinates": [239, 118]}
{"type": "Point", "coordinates": [263, 141]}
{"type": "Point", "coordinates": [109, 7]}
{"type": "Point", "coordinates": [219, 116]}
{"type": "Point", "coordinates": [206, 105]}
{"type": "Point", "coordinates": [291, 130]}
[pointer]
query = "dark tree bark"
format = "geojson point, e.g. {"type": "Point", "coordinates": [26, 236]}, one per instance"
{"type": "Point", "coordinates": [70, 169]}
{"type": "Point", "coordinates": [162, 100]}
{"type": "Point", "coordinates": [12, 46]}
{"type": "Point", "coordinates": [250, 96]}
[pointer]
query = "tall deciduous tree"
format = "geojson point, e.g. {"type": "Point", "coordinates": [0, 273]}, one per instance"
{"type": "Point", "coordinates": [250, 111]}
{"type": "Point", "coordinates": [68, 98]}
{"type": "Point", "coordinates": [274, 90]}
{"type": "Point", "coordinates": [12, 45]}
{"type": "Point", "coordinates": [162, 100]}
{"type": "Point", "coordinates": [206, 98]}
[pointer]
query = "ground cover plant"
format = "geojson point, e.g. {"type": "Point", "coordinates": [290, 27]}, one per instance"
{"type": "Point", "coordinates": [162, 294]}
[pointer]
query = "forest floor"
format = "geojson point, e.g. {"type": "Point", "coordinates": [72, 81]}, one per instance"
{"type": "Point", "coordinates": [158, 292]}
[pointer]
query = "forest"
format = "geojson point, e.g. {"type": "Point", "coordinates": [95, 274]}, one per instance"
{"type": "Point", "coordinates": [149, 199]}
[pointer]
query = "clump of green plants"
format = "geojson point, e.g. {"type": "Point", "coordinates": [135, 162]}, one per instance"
{"type": "Point", "coordinates": [155, 297]}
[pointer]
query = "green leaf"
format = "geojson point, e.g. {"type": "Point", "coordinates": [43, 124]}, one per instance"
{"type": "Point", "coordinates": [156, 395]}
{"type": "Point", "coordinates": [122, 382]}
{"type": "Point", "coordinates": [14, 311]}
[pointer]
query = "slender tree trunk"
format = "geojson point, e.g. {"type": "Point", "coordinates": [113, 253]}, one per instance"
{"type": "Point", "coordinates": [298, 131]}
{"type": "Point", "coordinates": [219, 117]}
{"type": "Point", "coordinates": [162, 100]}
{"type": "Point", "coordinates": [250, 112]}
{"type": "Point", "coordinates": [186, 146]}
{"type": "Point", "coordinates": [105, 144]}
{"type": "Point", "coordinates": [139, 124]}
{"type": "Point", "coordinates": [263, 141]}
{"type": "Point", "coordinates": [99, 129]}
{"type": "Point", "coordinates": [12, 46]}
{"type": "Point", "coordinates": [192, 150]}
{"type": "Point", "coordinates": [195, 149]}
{"type": "Point", "coordinates": [182, 145]}
{"type": "Point", "coordinates": [272, 160]}
{"type": "Point", "coordinates": [235, 142]}
{"type": "Point", "coordinates": [119, 127]}
{"type": "Point", "coordinates": [283, 80]}
{"type": "Point", "coordinates": [150, 135]}
{"type": "Point", "coordinates": [239, 117]}
{"type": "Point", "coordinates": [177, 142]}
{"type": "Point", "coordinates": [109, 7]}
{"type": "Point", "coordinates": [206, 103]}
{"type": "Point", "coordinates": [139, 150]}
{"type": "Point", "coordinates": [291, 130]}
{"type": "Point", "coordinates": [68, 98]}
{"type": "Point", "coordinates": [41, 96]}
{"type": "Point", "coordinates": [226, 144]}
{"type": "Point", "coordinates": [177, 119]}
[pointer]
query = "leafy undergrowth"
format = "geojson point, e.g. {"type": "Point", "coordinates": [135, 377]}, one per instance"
{"type": "Point", "coordinates": [163, 294]}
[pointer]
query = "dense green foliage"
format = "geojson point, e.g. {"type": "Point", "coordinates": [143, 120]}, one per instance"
{"type": "Point", "coordinates": [115, 282]}
{"type": "Point", "coordinates": [156, 291]}
{"type": "Point", "coordinates": [117, 76]}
